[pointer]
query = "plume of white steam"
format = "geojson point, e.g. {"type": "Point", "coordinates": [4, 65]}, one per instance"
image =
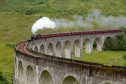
{"type": "Point", "coordinates": [78, 21]}
{"type": "Point", "coordinates": [94, 17]}
{"type": "Point", "coordinates": [42, 23]}
{"type": "Point", "coordinates": [106, 22]}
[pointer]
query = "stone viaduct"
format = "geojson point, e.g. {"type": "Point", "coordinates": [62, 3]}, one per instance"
{"type": "Point", "coordinates": [47, 59]}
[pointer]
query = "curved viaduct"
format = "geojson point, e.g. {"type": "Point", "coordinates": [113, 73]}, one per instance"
{"type": "Point", "coordinates": [47, 59]}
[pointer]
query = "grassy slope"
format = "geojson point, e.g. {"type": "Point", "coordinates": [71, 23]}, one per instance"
{"type": "Point", "coordinates": [64, 8]}
{"type": "Point", "coordinates": [15, 26]}
{"type": "Point", "coordinates": [10, 33]}
{"type": "Point", "coordinates": [6, 63]}
{"type": "Point", "coordinates": [105, 57]}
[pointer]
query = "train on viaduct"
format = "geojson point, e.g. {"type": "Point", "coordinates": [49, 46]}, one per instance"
{"type": "Point", "coordinates": [48, 59]}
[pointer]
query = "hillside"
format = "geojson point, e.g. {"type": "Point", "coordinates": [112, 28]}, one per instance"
{"type": "Point", "coordinates": [17, 17]}
{"type": "Point", "coordinates": [64, 8]}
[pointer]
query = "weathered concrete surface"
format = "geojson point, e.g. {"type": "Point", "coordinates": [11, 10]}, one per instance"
{"type": "Point", "coordinates": [50, 71]}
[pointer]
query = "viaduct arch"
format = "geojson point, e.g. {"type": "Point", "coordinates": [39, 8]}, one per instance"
{"type": "Point", "coordinates": [70, 80]}
{"type": "Point", "coordinates": [67, 50]}
{"type": "Point", "coordinates": [20, 72]}
{"type": "Point", "coordinates": [50, 49]}
{"type": "Point", "coordinates": [42, 49]}
{"type": "Point", "coordinates": [48, 60]}
{"type": "Point", "coordinates": [58, 49]}
{"type": "Point", "coordinates": [98, 44]}
{"type": "Point", "coordinates": [45, 78]}
{"type": "Point", "coordinates": [30, 75]}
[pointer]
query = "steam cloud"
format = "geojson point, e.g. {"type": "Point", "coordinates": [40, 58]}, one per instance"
{"type": "Point", "coordinates": [78, 22]}
{"type": "Point", "coordinates": [94, 18]}
{"type": "Point", "coordinates": [106, 22]}
{"type": "Point", "coordinates": [42, 23]}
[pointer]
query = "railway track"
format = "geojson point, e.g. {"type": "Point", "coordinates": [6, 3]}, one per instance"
{"type": "Point", "coordinates": [22, 48]}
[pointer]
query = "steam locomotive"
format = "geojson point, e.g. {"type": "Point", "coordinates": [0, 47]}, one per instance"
{"type": "Point", "coordinates": [35, 37]}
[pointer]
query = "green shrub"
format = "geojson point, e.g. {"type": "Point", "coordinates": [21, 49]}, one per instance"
{"type": "Point", "coordinates": [41, 1]}
{"type": "Point", "coordinates": [26, 11]}
{"type": "Point", "coordinates": [116, 44]}
{"type": "Point", "coordinates": [3, 80]}
{"type": "Point", "coordinates": [124, 57]}
{"type": "Point", "coordinates": [9, 45]}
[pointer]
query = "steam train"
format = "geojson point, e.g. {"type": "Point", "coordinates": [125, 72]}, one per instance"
{"type": "Point", "coordinates": [38, 36]}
